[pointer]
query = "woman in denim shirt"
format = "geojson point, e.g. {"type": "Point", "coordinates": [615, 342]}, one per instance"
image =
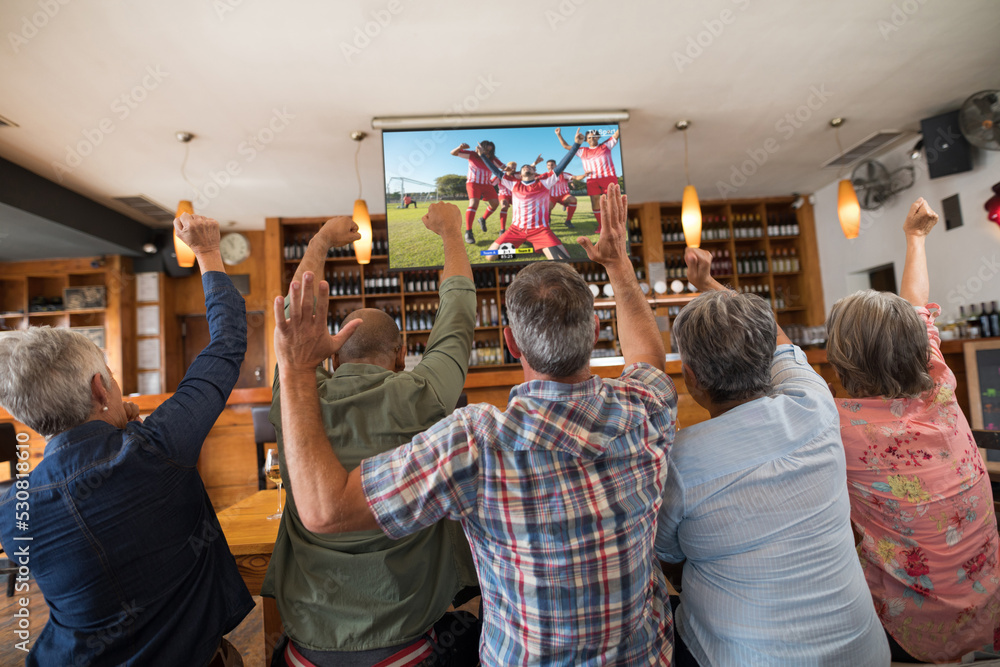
{"type": "Point", "coordinates": [117, 529]}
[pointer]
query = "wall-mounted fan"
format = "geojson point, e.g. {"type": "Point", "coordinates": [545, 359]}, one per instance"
{"type": "Point", "coordinates": [876, 185]}
{"type": "Point", "coordinates": [979, 119]}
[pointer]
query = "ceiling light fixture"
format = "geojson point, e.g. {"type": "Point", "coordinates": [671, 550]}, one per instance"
{"type": "Point", "coordinates": [185, 256]}
{"type": "Point", "coordinates": [690, 208]}
{"type": "Point", "coordinates": [848, 208]}
{"type": "Point", "coordinates": [363, 246]}
{"type": "Point", "coordinates": [460, 120]}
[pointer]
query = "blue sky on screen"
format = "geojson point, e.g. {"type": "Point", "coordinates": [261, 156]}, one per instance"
{"type": "Point", "coordinates": [424, 155]}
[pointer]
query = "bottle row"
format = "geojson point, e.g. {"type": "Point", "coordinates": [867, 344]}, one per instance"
{"type": "Point", "coordinates": [489, 315]}
{"type": "Point", "coordinates": [350, 283]}
{"type": "Point", "coordinates": [634, 231]}
{"type": "Point", "coordinates": [782, 223]}
{"type": "Point", "coordinates": [483, 353]}
{"type": "Point", "coordinates": [745, 226]}
{"type": "Point", "coordinates": [421, 281]}
{"type": "Point", "coordinates": [713, 228]}
{"type": "Point", "coordinates": [344, 283]}
{"type": "Point", "coordinates": [984, 324]}
{"type": "Point", "coordinates": [295, 247]}
{"type": "Point", "coordinates": [488, 353]}
{"type": "Point", "coordinates": [761, 290]}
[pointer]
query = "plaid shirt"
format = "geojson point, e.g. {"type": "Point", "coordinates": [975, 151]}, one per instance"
{"type": "Point", "coordinates": [558, 496]}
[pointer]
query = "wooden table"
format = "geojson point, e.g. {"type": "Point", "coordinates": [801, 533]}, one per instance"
{"type": "Point", "coordinates": [251, 536]}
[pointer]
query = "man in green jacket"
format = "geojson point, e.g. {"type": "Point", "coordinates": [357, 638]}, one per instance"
{"type": "Point", "coordinates": [361, 598]}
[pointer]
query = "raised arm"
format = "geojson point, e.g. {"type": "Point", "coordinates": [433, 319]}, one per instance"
{"type": "Point", "coordinates": [446, 360]}
{"type": "Point", "coordinates": [637, 331]}
{"type": "Point", "coordinates": [445, 220]}
{"type": "Point", "coordinates": [699, 272]}
{"type": "Point", "coordinates": [563, 163]}
{"type": "Point", "coordinates": [562, 141]}
{"type": "Point", "coordinates": [179, 426]}
{"type": "Point", "coordinates": [462, 151]}
{"type": "Point", "coordinates": [335, 232]}
{"type": "Point", "coordinates": [915, 286]}
{"type": "Point", "coordinates": [329, 498]}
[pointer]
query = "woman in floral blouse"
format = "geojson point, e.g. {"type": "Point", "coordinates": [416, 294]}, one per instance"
{"type": "Point", "coordinates": [920, 497]}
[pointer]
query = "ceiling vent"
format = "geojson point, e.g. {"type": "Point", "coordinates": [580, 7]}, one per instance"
{"type": "Point", "coordinates": [6, 122]}
{"type": "Point", "coordinates": [867, 147]}
{"type": "Point", "coordinates": [147, 207]}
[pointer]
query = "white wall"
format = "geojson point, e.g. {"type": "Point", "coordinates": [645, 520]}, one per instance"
{"type": "Point", "coordinates": [964, 262]}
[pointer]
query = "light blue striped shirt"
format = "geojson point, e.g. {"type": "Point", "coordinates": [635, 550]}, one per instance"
{"type": "Point", "coordinates": [756, 502]}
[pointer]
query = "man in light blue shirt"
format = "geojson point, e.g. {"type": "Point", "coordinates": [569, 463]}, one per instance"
{"type": "Point", "coordinates": [756, 503]}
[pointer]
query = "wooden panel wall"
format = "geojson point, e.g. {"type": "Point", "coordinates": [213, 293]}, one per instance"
{"type": "Point", "coordinates": [185, 296]}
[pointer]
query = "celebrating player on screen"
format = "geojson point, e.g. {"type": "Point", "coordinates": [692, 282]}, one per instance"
{"type": "Point", "coordinates": [477, 183]}
{"type": "Point", "coordinates": [559, 193]}
{"type": "Point", "coordinates": [596, 158]}
{"type": "Point", "coordinates": [530, 196]}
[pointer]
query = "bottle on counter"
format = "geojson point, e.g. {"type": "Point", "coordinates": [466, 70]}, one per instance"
{"type": "Point", "coordinates": [985, 330]}
{"type": "Point", "coordinates": [972, 323]}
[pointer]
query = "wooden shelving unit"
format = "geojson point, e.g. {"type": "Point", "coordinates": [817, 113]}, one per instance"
{"type": "Point", "coordinates": [26, 286]}
{"type": "Point", "coordinates": [796, 295]}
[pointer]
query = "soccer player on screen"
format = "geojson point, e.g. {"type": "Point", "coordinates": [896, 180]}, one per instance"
{"type": "Point", "coordinates": [596, 158]}
{"type": "Point", "coordinates": [559, 193]}
{"type": "Point", "coordinates": [505, 194]}
{"type": "Point", "coordinates": [530, 197]}
{"type": "Point", "coordinates": [478, 183]}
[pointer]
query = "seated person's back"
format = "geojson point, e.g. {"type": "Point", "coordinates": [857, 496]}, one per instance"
{"type": "Point", "coordinates": [756, 500]}
{"type": "Point", "coordinates": [558, 494]}
{"type": "Point", "coordinates": [920, 496]}
{"type": "Point", "coordinates": [125, 545]}
{"type": "Point", "coordinates": [363, 592]}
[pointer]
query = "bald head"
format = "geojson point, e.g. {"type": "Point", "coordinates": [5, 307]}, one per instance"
{"type": "Point", "coordinates": [376, 341]}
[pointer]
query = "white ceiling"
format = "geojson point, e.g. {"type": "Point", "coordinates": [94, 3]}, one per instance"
{"type": "Point", "coordinates": [221, 69]}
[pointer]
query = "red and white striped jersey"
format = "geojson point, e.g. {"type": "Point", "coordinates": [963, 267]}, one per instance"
{"type": "Point", "coordinates": [598, 160]}
{"type": "Point", "coordinates": [478, 171]}
{"type": "Point", "coordinates": [561, 187]}
{"type": "Point", "coordinates": [502, 190]}
{"type": "Point", "coordinates": [530, 202]}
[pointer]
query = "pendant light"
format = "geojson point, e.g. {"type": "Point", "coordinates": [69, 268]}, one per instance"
{"type": "Point", "coordinates": [690, 208]}
{"type": "Point", "coordinates": [185, 256]}
{"type": "Point", "coordinates": [363, 246]}
{"type": "Point", "coordinates": [848, 208]}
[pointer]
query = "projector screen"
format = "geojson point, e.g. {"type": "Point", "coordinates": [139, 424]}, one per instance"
{"type": "Point", "coordinates": [531, 212]}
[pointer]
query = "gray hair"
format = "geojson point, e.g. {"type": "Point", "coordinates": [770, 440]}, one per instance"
{"type": "Point", "coordinates": [878, 345]}
{"type": "Point", "coordinates": [728, 342]}
{"type": "Point", "coordinates": [377, 338]}
{"type": "Point", "coordinates": [45, 376]}
{"type": "Point", "coordinates": [551, 313]}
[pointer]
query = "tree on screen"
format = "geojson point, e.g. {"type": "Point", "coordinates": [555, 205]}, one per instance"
{"type": "Point", "coordinates": [450, 186]}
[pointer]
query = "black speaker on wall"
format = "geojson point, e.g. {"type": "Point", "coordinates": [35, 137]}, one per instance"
{"type": "Point", "coordinates": [946, 149]}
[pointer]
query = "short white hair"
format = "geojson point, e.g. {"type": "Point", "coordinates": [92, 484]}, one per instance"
{"type": "Point", "coordinates": [45, 377]}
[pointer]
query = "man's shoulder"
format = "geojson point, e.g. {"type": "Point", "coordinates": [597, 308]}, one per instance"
{"type": "Point", "coordinates": [645, 377]}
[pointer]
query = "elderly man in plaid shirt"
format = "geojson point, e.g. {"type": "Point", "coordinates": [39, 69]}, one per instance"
{"type": "Point", "coordinates": [558, 494]}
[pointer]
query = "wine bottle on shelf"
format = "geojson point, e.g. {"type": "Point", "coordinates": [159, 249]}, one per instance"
{"type": "Point", "coordinates": [972, 323]}
{"type": "Point", "coordinates": [985, 330]}
{"type": "Point", "coordinates": [994, 319]}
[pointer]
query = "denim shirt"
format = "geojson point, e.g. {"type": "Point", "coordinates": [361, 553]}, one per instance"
{"type": "Point", "coordinates": [124, 543]}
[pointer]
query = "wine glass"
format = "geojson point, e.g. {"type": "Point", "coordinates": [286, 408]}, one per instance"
{"type": "Point", "coordinates": [272, 470]}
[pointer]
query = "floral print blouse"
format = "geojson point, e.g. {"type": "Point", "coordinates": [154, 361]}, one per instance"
{"type": "Point", "coordinates": [922, 502]}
